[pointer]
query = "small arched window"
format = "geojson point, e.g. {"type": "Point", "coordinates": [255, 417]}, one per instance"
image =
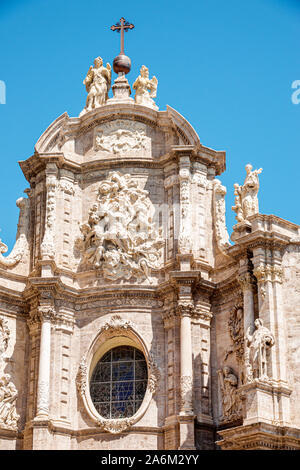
{"type": "Point", "coordinates": [119, 382]}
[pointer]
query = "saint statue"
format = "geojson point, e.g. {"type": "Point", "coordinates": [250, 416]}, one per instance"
{"type": "Point", "coordinates": [258, 343]}
{"type": "Point", "coordinates": [249, 191]}
{"type": "Point", "coordinates": [97, 83]}
{"type": "Point", "coordinates": [230, 400]}
{"type": "Point", "coordinates": [142, 85]}
{"type": "Point", "coordinates": [246, 201]}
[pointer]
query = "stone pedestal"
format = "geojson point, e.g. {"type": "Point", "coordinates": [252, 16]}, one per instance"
{"type": "Point", "coordinates": [121, 91]}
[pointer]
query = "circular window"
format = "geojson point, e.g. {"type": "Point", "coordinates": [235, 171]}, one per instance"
{"type": "Point", "coordinates": [119, 382]}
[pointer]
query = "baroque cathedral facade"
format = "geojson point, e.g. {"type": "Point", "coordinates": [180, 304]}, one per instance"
{"type": "Point", "coordinates": [128, 319]}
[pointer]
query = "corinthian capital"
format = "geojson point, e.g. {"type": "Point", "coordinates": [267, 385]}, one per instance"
{"type": "Point", "coordinates": [246, 281]}
{"type": "Point", "coordinates": [262, 273]}
{"type": "Point", "coordinates": [46, 313]}
{"type": "Point", "coordinates": [185, 308]}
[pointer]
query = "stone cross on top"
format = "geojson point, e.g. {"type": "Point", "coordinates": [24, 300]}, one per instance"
{"type": "Point", "coordinates": [120, 27]}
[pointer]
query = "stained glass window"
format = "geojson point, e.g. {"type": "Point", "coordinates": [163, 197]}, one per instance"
{"type": "Point", "coordinates": [118, 383]}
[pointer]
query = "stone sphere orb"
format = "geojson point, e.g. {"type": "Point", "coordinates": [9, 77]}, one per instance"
{"type": "Point", "coordinates": [121, 63]}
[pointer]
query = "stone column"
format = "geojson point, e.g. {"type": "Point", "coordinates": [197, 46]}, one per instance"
{"type": "Point", "coordinates": [186, 414]}
{"type": "Point", "coordinates": [247, 284]}
{"type": "Point", "coordinates": [186, 362]}
{"type": "Point", "coordinates": [45, 314]}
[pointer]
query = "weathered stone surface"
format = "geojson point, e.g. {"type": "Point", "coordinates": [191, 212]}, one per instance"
{"type": "Point", "coordinates": [123, 241]}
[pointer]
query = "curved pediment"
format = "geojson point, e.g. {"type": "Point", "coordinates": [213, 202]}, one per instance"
{"type": "Point", "coordinates": [117, 130]}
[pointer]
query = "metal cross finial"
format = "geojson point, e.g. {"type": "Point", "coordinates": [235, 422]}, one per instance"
{"type": "Point", "coordinates": [120, 27]}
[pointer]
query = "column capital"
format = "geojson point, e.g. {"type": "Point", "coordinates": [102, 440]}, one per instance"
{"type": "Point", "coordinates": [266, 272]}
{"type": "Point", "coordinates": [246, 281]}
{"type": "Point", "coordinates": [46, 313]}
{"type": "Point", "coordinates": [185, 308]}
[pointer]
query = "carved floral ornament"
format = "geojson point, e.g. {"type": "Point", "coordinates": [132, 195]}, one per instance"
{"type": "Point", "coordinates": [115, 331]}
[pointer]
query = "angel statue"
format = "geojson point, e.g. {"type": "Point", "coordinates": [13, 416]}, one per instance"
{"type": "Point", "coordinates": [97, 83]}
{"type": "Point", "coordinates": [142, 85]}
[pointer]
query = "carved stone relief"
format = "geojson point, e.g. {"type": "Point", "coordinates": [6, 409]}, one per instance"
{"type": "Point", "coordinates": [185, 239]}
{"type": "Point", "coordinates": [236, 331]}
{"type": "Point", "coordinates": [231, 398]}
{"type": "Point", "coordinates": [246, 201]}
{"type": "Point", "coordinates": [122, 137]}
{"type": "Point", "coordinates": [8, 392]}
{"type": "Point", "coordinates": [47, 247]}
{"type": "Point", "coordinates": [120, 237]}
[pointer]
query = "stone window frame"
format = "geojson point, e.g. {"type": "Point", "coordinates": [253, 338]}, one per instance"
{"type": "Point", "coordinates": [115, 332]}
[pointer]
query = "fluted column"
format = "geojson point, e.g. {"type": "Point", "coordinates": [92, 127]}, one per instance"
{"type": "Point", "coordinates": [45, 315]}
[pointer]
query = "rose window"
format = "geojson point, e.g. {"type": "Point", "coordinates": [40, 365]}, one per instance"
{"type": "Point", "coordinates": [118, 383]}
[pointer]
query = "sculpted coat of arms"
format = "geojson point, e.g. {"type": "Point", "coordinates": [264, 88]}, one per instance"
{"type": "Point", "coordinates": [120, 237]}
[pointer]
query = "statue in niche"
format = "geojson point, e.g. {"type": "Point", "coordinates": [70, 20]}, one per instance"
{"type": "Point", "coordinates": [257, 346]}
{"type": "Point", "coordinates": [142, 85]}
{"type": "Point", "coordinates": [236, 331]}
{"type": "Point", "coordinates": [8, 395]}
{"type": "Point", "coordinates": [231, 401]}
{"type": "Point", "coordinates": [97, 83]}
{"type": "Point", "coordinates": [120, 236]}
{"type": "Point", "coordinates": [246, 201]}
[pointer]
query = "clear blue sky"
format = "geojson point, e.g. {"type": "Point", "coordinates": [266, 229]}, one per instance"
{"type": "Point", "coordinates": [226, 66]}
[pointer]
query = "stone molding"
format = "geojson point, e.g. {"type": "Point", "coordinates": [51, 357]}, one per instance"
{"type": "Point", "coordinates": [113, 328]}
{"type": "Point", "coordinates": [260, 436]}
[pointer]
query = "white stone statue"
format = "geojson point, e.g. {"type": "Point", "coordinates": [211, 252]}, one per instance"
{"type": "Point", "coordinates": [142, 85]}
{"type": "Point", "coordinates": [257, 345]}
{"type": "Point", "coordinates": [120, 236]}
{"type": "Point", "coordinates": [97, 83]}
{"type": "Point", "coordinates": [231, 402]}
{"type": "Point", "coordinates": [219, 215]}
{"type": "Point", "coordinates": [21, 245]}
{"type": "Point", "coordinates": [8, 395]}
{"type": "Point", "coordinates": [246, 201]}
